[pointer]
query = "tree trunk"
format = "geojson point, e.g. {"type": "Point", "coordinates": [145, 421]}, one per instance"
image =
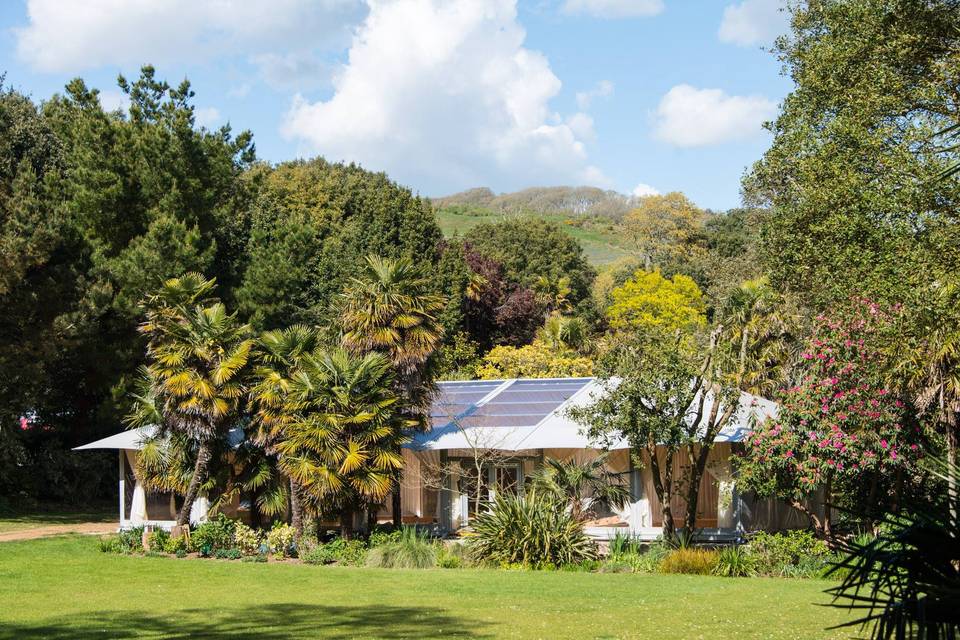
{"type": "Point", "coordinates": [698, 465]}
{"type": "Point", "coordinates": [664, 488]}
{"type": "Point", "coordinates": [811, 516]}
{"type": "Point", "coordinates": [296, 507]}
{"type": "Point", "coordinates": [199, 475]}
{"type": "Point", "coordinates": [827, 506]}
{"type": "Point", "coordinates": [395, 504]}
{"type": "Point", "coordinates": [346, 523]}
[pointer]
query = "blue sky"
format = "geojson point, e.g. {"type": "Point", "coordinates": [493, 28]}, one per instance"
{"type": "Point", "coordinates": [443, 95]}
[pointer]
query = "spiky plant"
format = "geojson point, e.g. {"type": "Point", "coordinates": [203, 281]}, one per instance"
{"type": "Point", "coordinates": [905, 582]}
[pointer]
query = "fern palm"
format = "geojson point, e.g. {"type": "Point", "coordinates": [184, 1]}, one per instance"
{"type": "Point", "coordinates": [581, 484]}
{"type": "Point", "coordinates": [280, 354]}
{"type": "Point", "coordinates": [343, 447]}
{"type": "Point", "coordinates": [197, 357]}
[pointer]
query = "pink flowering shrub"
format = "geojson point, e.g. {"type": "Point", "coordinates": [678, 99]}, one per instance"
{"type": "Point", "coordinates": [840, 428]}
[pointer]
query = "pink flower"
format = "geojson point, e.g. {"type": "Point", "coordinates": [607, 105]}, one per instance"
{"type": "Point", "coordinates": [884, 444]}
{"type": "Point", "coordinates": [24, 424]}
{"type": "Point", "coordinates": [788, 454]}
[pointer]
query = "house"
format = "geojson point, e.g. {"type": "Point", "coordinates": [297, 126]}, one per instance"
{"type": "Point", "coordinates": [488, 436]}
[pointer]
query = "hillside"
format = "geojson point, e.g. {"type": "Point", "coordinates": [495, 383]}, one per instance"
{"type": "Point", "coordinates": [588, 214]}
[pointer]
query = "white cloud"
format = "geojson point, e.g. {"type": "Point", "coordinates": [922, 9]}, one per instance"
{"type": "Point", "coordinates": [691, 117]}
{"type": "Point", "coordinates": [753, 22]}
{"type": "Point", "coordinates": [613, 8]}
{"type": "Point", "coordinates": [299, 70]}
{"type": "Point", "coordinates": [643, 190]}
{"type": "Point", "coordinates": [111, 100]}
{"type": "Point", "coordinates": [72, 36]}
{"type": "Point", "coordinates": [206, 116]}
{"type": "Point", "coordinates": [443, 95]}
{"type": "Point", "coordinates": [603, 89]}
{"type": "Point", "coordinates": [582, 126]}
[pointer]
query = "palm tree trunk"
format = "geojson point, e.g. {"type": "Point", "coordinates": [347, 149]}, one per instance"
{"type": "Point", "coordinates": [395, 505]}
{"type": "Point", "coordinates": [296, 507]}
{"type": "Point", "coordinates": [199, 476]}
{"type": "Point", "coordinates": [346, 523]}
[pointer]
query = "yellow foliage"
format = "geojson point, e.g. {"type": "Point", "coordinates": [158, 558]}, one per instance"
{"type": "Point", "coordinates": [648, 301]}
{"type": "Point", "coordinates": [535, 360]}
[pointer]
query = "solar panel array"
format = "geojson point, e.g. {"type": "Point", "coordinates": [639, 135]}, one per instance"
{"type": "Point", "coordinates": [517, 403]}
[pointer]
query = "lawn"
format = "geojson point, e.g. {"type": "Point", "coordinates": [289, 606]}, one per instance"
{"type": "Point", "coordinates": [35, 519]}
{"type": "Point", "coordinates": [600, 247]}
{"type": "Point", "coordinates": [64, 588]}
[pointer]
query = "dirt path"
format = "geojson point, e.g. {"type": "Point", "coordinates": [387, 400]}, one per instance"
{"type": "Point", "coordinates": [88, 528]}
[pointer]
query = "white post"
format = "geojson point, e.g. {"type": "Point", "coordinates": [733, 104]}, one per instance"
{"type": "Point", "coordinates": [123, 474]}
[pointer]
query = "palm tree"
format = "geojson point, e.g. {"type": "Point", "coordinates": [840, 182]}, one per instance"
{"type": "Point", "coordinates": [758, 323]}
{"type": "Point", "coordinates": [581, 484]}
{"type": "Point", "coordinates": [389, 310]}
{"type": "Point", "coordinates": [343, 448]}
{"type": "Point", "coordinates": [281, 353]}
{"type": "Point", "coordinates": [562, 333]}
{"type": "Point", "coordinates": [197, 355]}
{"type": "Point", "coordinates": [906, 580]}
{"type": "Point", "coordinates": [929, 363]}
{"type": "Point", "coordinates": [554, 295]}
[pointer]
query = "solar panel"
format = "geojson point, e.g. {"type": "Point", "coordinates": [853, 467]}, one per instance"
{"type": "Point", "coordinates": [521, 403]}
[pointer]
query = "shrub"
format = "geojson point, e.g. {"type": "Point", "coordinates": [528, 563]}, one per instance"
{"type": "Point", "coordinates": [246, 539]}
{"type": "Point", "coordinates": [281, 540]}
{"type": "Point", "coordinates": [383, 535]}
{"type": "Point", "coordinates": [346, 552]}
{"type": "Point", "coordinates": [735, 562]}
{"type": "Point", "coordinates": [129, 541]}
{"type": "Point", "coordinates": [793, 554]}
{"type": "Point", "coordinates": [213, 535]}
{"type": "Point", "coordinates": [228, 554]}
{"type": "Point", "coordinates": [260, 557]}
{"type": "Point", "coordinates": [623, 543]}
{"type": "Point", "coordinates": [533, 530]}
{"type": "Point", "coordinates": [414, 550]}
{"type": "Point", "coordinates": [453, 556]}
{"type": "Point", "coordinates": [699, 562]}
{"type": "Point", "coordinates": [178, 545]}
{"type": "Point", "coordinates": [158, 540]}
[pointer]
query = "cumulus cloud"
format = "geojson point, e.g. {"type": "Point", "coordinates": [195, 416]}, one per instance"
{"type": "Point", "coordinates": [643, 190]}
{"type": "Point", "coordinates": [753, 22]}
{"type": "Point", "coordinates": [443, 95]}
{"type": "Point", "coordinates": [691, 117]}
{"type": "Point", "coordinates": [603, 89]}
{"type": "Point", "coordinates": [72, 36]}
{"type": "Point", "coordinates": [613, 8]}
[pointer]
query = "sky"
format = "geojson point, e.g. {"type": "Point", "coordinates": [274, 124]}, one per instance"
{"type": "Point", "coordinates": [639, 96]}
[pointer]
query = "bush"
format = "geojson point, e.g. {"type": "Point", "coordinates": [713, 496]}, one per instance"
{"type": "Point", "coordinates": [453, 556]}
{"type": "Point", "coordinates": [158, 540]}
{"type": "Point", "coordinates": [382, 535]}
{"type": "Point", "coordinates": [281, 540]}
{"type": "Point", "coordinates": [735, 562]}
{"type": "Point", "coordinates": [228, 554]}
{"type": "Point", "coordinates": [701, 562]}
{"type": "Point", "coordinates": [213, 535]}
{"type": "Point", "coordinates": [346, 552]}
{"type": "Point", "coordinates": [246, 539]}
{"type": "Point", "coordinates": [260, 557]}
{"type": "Point", "coordinates": [792, 554]}
{"type": "Point", "coordinates": [532, 530]}
{"type": "Point", "coordinates": [128, 541]}
{"type": "Point", "coordinates": [622, 544]}
{"type": "Point", "coordinates": [177, 545]}
{"type": "Point", "coordinates": [414, 550]}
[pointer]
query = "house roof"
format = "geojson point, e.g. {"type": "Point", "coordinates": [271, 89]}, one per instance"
{"type": "Point", "coordinates": [527, 413]}
{"type": "Point", "coordinates": [511, 415]}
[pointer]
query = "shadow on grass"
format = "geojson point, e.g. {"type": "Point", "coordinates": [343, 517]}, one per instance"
{"type": "Point", "coordinates": [266, 622]}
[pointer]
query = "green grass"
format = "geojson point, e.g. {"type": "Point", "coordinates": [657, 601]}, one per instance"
{"type": "Point", "coordinates": [601, 246]}
{"type": "Point", "coordinates": [43, 518]}
{"type": "Point", "coordinates": [63, 588]}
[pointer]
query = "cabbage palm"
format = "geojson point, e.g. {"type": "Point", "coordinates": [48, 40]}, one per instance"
{"type": "Point", "coordinates": [343, 448]}
{"type": "Point", "coordinates": [197, 357]}
{"type": "Point", "coordinates": [581, 484]}
{"type": "Point", "coordinates": [281, 352]}
{"type": "Point", "coordinates": [389, 310]}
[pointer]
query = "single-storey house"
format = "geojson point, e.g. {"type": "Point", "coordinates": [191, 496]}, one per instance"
{"type": "Point", "coordinates": [495, 433]}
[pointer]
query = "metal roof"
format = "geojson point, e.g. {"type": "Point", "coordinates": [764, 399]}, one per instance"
{"type": "Point", "coordinates": [511, 415]}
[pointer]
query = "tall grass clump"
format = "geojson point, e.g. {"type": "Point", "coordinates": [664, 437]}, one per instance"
{"type": "Point", "coordinates": [534, 530]}
{"type": "Point", "coordinates": [412, 550]}
{"type": "Point", "coordinates": [735, 562]}
{"type": "Point", "coordinates": [701, 562]}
